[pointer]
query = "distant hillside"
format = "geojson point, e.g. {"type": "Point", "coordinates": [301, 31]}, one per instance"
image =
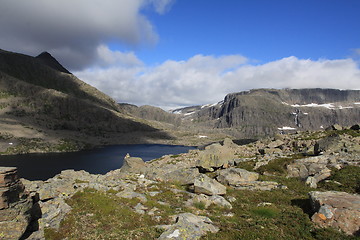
{"type": "Point", "coordinates": [43, 107]}
{"type": "Point", "coordinates": [151, 113]}
{"type": "Point", "coordinates": [263, 112]}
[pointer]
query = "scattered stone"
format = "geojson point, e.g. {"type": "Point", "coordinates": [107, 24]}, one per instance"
{"type": "Point", "coordinates": [140, 209]}
{"type": "Point", "coordinates": [311, 181]}
{"type": "Point", "coordinates": [208, 200]}
{"type": "Point", "coordinates": [204, 184]}
{"type": "Point", "coordinates": [129, 194]}
{"type": "Point", "coordinates": [190, 227]}
{"type": "Point", "coordinates": [339, 210]}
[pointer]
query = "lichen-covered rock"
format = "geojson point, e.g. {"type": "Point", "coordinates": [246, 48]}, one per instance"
{"type": "Point", "coordinates": [208, 200]}
{"type": "Point", "coordinates": [204, 184]}
{"type": "Point", "coordinates": [190, 227]}
{"type": "Point", "coordinates": [339, 210]}
{"type": "Point", "coordinates": [259, 185]}
{"type": "Point", "coordinates": [234, 176]}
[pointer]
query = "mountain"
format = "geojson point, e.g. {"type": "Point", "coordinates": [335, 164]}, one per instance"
{"type": "Point", "coordinates": [43, 107]}
{"type": "Point", "coordinates": [262, 112]}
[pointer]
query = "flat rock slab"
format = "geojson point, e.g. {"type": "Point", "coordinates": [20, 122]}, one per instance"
{"type": "Point", "coordinates": [189, 226]}
{"type": "Point", "coordinates": [234, 176]}
{"type": "Point", "coordinates": [204, 184]}
{"type": "Point", "coordinates": [339, 210]}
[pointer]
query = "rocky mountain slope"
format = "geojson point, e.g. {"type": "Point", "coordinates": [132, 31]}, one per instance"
{"type": "Point", "coordinates": [262, 112]}
{"type": "Point", "coordinates": [43, 107]}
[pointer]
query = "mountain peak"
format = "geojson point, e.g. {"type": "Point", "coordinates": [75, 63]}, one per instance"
{"type": "Point", "coordinates": [47, 59]}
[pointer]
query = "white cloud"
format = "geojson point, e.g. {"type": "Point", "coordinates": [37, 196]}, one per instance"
{"type": "Point", "coordinates": [107, 57]}
{"type": "Point", "coordinates": [162, 6]}
{"type": "Point", "coordinates": [73, 29]}
{"type": "Point", "coordinates": [207, 79]}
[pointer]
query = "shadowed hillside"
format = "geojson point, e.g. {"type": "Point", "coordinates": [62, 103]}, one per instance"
{"type": "Point", "coordinates": [42, 107]}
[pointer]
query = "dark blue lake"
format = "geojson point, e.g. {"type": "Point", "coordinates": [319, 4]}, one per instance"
{"type": "Point", "coordinates": [41, 166]}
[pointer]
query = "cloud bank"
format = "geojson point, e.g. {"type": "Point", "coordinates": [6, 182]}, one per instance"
{"type": "Point", "coordinates": [207, 79]}
{"type": "Point", "coordinates": [72, 30]}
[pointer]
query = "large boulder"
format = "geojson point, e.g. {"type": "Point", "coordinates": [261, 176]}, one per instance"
{"type": "Point", "coordinates": [189, 226]}
{"type": "Point", "coordinates": [234, 176]}
{"type": "Point", "coordinates": [133, 165]}
{"type": "Point", "coordinates": [216, 156]}
{"type": "Point", "coordinates": [204, 184]}
{"type": "Point", "coordinates": [339, 210]}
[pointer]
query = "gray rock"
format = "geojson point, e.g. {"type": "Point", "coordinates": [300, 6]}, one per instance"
{"type": "Point", "coordinates": [140, 209]}
{"type": "Point", "coordinates": [129, 194]}
{"type": "Point", "coordinates": [259, 185]}
{"type": "Point", "coordinates": [204, 184]}
{"type": "Point", "coordinates": [233, 176]}
{"type": "Point", "coordinates": [208, 200]}
{"type": "Point", "coordinates": [311, 181]}
{"type": "Point", "coordinates": [339, 210]}
{"type": "Point", "coordinates": [215, 156]}
{"type": "Point", "coordinates": [190, 227]}
{"type": "Point", "coordinates": [53, 212]}
{"type": "Point", "coordinates": [133, 165]}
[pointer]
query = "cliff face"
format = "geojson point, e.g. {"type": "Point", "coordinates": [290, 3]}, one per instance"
{"type": "Point", "coordinates": [267, 111]}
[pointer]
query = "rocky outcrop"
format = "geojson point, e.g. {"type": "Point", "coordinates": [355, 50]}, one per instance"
{"type": "Point", "coordinates": [18, 209]}
{"type": "Point", "coordinates": [339, 210]}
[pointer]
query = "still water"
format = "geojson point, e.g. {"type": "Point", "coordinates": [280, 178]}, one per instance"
{"type": "Point", "coordinates": [41, 166]}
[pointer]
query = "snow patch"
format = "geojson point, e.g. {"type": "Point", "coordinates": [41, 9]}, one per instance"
{"type": "Point", "coordinates": [287, 128]}
{"type": "Point", "coordinates": [306, 113]}
{"type": "Point", "coordinates": [325, 105]}
{"type": "Point", "coordinates": [187, 114]}
{"type": "Point", "coordinates": [202, 136]}
{"type": "Point", "coordinates": [357, 103]}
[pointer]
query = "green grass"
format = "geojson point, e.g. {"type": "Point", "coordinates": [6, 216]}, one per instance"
{"type": "Point", "coordinates": [278, 166]}
{"type": "Point", "coordinates": [97, 215]}
{"type": "Point", "coordinates": [348, 177]}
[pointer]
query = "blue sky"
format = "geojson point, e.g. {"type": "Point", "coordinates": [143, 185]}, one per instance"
{"type": "Point", "coordinates": [260, 29]}
{"type": "Point", "coordinates": [172, 53]}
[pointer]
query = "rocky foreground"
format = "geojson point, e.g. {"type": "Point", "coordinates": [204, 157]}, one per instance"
{"type": "Point", "coordinates": [283, 185]}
